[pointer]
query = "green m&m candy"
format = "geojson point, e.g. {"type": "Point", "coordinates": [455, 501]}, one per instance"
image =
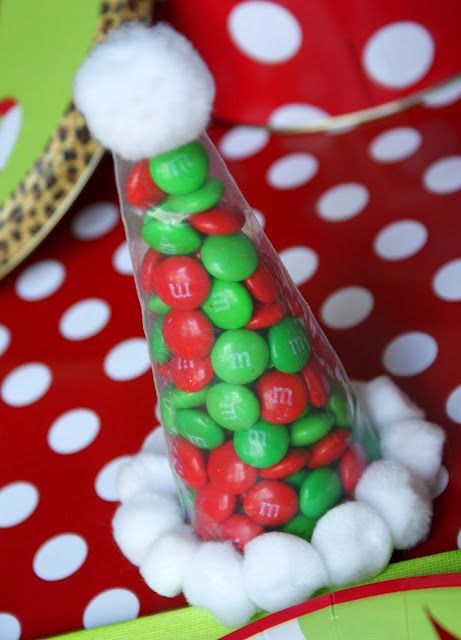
{"type": "Point", "coordinates": [289, 345]}
{"type": "Point", "coordinates": [320, 491]}
{"type": "Point", "coordinates": [168, 412]}
{"type": "Point", "coordinates": [157, 305]}
{"type": "Point", "coordinates": [300, 526]}
{"type": "Point", "coordinates": [171, 238]}
{"type": "Point", "coordinates": [180, 170]}
{"type": "Point", "coordinates": [311, 427]}
{"type": "Point", "coordinates": [160, 351]}
{"type": "Point", "coordinates": [189, 399]}
{"type": "Point", "coordinates": [204, 198]}
{"type": "Point", "coordinates": [199, 428]}
{"type": "Point", "coordinates": [337, 404]}
{"type": "Point", "coordinates": [229, 305]}
{"type": "Point", "coordinates": [239, 356]}
{"type": "Point", "coordinates": [232, 406]}
{"type": "Point", "coordinates": [231, 257]}
{"type": "Point", "coordinates": [263, 445]}
{"type": "Point", "coordinates": [296, 479]}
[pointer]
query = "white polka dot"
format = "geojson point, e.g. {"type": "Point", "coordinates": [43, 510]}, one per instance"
{"type": "Point", "coordinates": [106, 481]}
{"type": "Point", "coordinates": [243, 142]}
{"type": "Point", "coordinates": [443, 176]}
{"type": "Point", "coordinates": [127, 360]}
{"type": "Point", "coordinates": [73, 431]}
{"type": "Point", "coordinates": [399, 54]}
{"type": "Point", "coordinates": [441, 482]}
{"type": "Point", "coordinates": [454, 405]}
{"type": "Point", "coordinates": [300, 262]}
{"type": "Point", "coordinates": [400, 240]}
{"type": "Point", "coordinates": [84, 319]}
{"type": "Point", "coordinates": [292, 171]}
{"type": "Point", "coordinates": [26, 384]}
{"type": "Point", "coordinates": [95, 221]}
{"type": "Point", "coordinates": [458, 541]}
{"type": "Point", "coordinates": [5, 338]}
{"type": "Point", "coordinates": [60, 557]}
{"type": "Point", "coordinates": [296, 115]}
{"type": "Point", "coordinates": [264, 31]}
{"type": "Point", "coordinates": [109, 607]}
{"type": "Point", "coordinates": [156, 442]}
{"type": "Point", "coordinates": [410, 353]}
{"type": "Point", "coordinates": [395, 144]}
{"type": "Point", "coordinates": [260, 217]}
{"type": "Point", "coordinates": [347, 307]}
{"type": "Point", "coordinates": [447, 281]}
{"type": "Point", "coordinates": [343, 201]}
{"type": "Point", "coordinates": [18, 501]}
{"type": "Point", "coordinates": [448, 94]}
{"type": "Point", "coordinates": [10, 627]}
{"type": "Point", "coordinates": [121, 260]}
{"type": "Point", "coordinates": [40, 280]}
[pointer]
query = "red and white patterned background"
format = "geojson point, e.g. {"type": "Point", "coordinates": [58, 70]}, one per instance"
{"type": "Point", "coordinates": [367, 223]}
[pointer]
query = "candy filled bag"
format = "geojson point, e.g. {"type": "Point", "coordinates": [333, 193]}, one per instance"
{"type": "Point", "coordinates": [264, 431]}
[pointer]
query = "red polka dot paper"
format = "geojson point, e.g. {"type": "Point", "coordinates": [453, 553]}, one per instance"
{"type": "Point", "coordinates": [290, 63]}
{"type": "Point", "coordinates": [366, 222]}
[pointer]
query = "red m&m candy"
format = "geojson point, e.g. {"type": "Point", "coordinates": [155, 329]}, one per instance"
{"type": "Point", "coordinates": [283, 396]}
{"type": "Point", "coordinates": [262, 284]}
{"type": "Point", "coordinates": [266, 315]}
{"type": "Point", "coordinates": [271, 503]}
{"type": "Point", "coordinates": [293, 462]}
{"type": "Point", "coordinates": [150, 261]}
{"type": "Point", "coordinates": [213, 503]}
{"type": "Point", "coordinates": [228, 473]}
{"type": "Point", "coordinates": [141, 190]}
{"type": "Point", "coordinates": [240, 529]}
{"type": "Point", "coordinates": [218, 221]}
{"type": "Point", "coordinates": [182, 282]}
{"type": "Point", "coordinates": [351, 467]}
{"type": "Point", "coordinates": [317, 382]}
{"type": "Point", "coordinates": [329, 449]}
{"type": "Point", "coordinates": [205, 528]}
{"type": "Point", "coordinates": [190, 374]}
{"type": "Point", "coordinates": [188, 463]}
{"type": "Point", "coordinates": [188, 334]}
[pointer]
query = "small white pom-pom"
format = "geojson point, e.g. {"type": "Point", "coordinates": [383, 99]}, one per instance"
{"type": "Point", "coordinates": [145, 472]}
{"type": "Point", "coordinates": [353, 541]}
{"type": "Point", "coordinates": [281, 570]}
{"type": "Point", "coordinates": [140, 521]}
{"type": "Point", "coordinates": [156, 442]}
{"type": "Point", "coordinates": [165, 565]}
{"type": "Point", "coordinates": [400, 498]}
{"type": "Point", "coordinates": [386, 403]}
{"type": "Point", "coordinates": [214, 580]}
{"type": "Point", "coordinates": [417, 444]}
{"type": "Point", "coordinates": [144, 91]}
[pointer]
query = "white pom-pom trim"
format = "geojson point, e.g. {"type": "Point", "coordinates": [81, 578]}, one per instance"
{"type": "Point", "coordinates": [397, 515]}
{"type": "Point", "coordinates": [144, 91]}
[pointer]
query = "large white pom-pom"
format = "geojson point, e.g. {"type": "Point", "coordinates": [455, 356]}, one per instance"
{"type": "Point", "coordinates": [165, 565]}
{"type": "Point", "coordinates": [145, 472]}
{"type": "Point", "coordinates": [353, 541]}
{"type": "Point", "coordinates": [144, 91]}
{"type": "Point", "coordinates": [386, 403]}
{"type": "Point", "coordinates": [417, 444]}
{"type": "Point", "coordinates": [214, 580]}
{"type": "Point", "coordinates": [140, 521]}
{"type": "Point", "coordinates": [401, 499]}
{"type": "Point", "coordinates": [281, 570]}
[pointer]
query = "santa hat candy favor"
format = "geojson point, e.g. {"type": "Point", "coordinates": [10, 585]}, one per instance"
{"type": "Point", "coordinates": [266, 439]}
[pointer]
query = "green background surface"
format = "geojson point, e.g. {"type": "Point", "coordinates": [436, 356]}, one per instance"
{"type": "Point", "coordinates": [42, 44]}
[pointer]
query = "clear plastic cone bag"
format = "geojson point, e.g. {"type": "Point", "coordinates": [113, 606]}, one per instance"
{"type": "Point", "coordinates": [263, 428]}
